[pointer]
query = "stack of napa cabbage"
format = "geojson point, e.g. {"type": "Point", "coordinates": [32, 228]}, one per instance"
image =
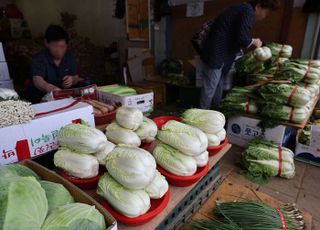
{"type": "Point", "coordinates": [82, 148]}
{"type": "Point", "coordinates": [210, 122]}
{"type": "Point", "coordinates": [182, 148]}
{"type": "Point", "coordinates": [30, 203]}
{"type": "Point", "coordinates": [131, 127]}
{"type": "Point", "coordinates": [131, 180]}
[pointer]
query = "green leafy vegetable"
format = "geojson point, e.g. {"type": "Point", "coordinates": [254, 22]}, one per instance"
{"type": "Point", "coordinates": [57, 195]}
{"type": "Point", "coordinates": [16, 170]}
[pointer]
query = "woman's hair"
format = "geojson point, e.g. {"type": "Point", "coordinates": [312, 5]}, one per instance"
{"type": "Point", "coordinates": [268, 4]}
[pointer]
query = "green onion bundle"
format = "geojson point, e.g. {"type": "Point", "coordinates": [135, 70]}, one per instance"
{"type": "Point", "coordinates": [252, 215]}
{"type": "Point", "coordinates": [286, 94]}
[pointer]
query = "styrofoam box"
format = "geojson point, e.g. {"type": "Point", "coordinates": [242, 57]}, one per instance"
{"type": "Point", "coordinates": [6, 84]}
{"type": "Point", "coordinates": [4, 72]}
{"type": "Point", "coordinates": [19, 142]}
{"type": "Point", "coordinates": [2, 57]}
{"type": "Point", "coordinates": [143, 101]}
{"type": "Point", "coordinates": [310, 153]}
{"type": "Point", "coordinates": [241, 130]}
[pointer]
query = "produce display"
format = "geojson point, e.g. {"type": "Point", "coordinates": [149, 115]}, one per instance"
{"type": "Point", "coordinates": [118, 90]}
{"type": "Point", "coordinates": [263, 160]}
{"type": "Point", "coordinates": [100, 108]}
{"type": "Point", "coordinates": [30, 203]}
{"type": "Point", "coordinates": [209, 121]}
{"type": "Point", "coordinates": [82, 148]}
{"type": "Point", "coordinates": [131, 128]}
{"type": "Point", "coordinates": [305, 134]}
{"type": "Point", "coordinates": [14, 112]}
{"type": "Point", "coordinates": [252, 215]}
{"type": "Point", "coordinates": [131, 181]}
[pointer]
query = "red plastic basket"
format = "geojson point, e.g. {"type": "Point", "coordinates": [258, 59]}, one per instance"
{"type": "Point", "coordinates": [89, 183]}
{"type": "Point", "coordinates": [184, 181]}
{"type": "Point", "coordinates": [157, 206]}
{"type": "Point", "coordinates": [145, 146]}
{"type": "Point", "coordinates": [213, 150]}
{"type": "Point", "coordinates": [105, 118]}
{"type": "Point", "coordinates": [160, 121]}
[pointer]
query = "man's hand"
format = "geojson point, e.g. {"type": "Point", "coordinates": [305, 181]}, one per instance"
{"type": "Point", "coordinates": [67, 81]}
{"type": "Point", "coordinates": [256, 42]}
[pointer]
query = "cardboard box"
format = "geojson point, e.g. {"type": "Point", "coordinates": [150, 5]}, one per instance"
{"type": "Point", "coordinates": [6, 84]}
{"type": "Point", "coordinates": [143, 100]}
{"type": "Point", "coordinates": [24, 141]}
{"type": "Point", "coordinates": [78, 194]}
{"type": "Point", "coordinates": [2, 57]}
{"type": "Point", "coordinates": [241, 130]}
{"type": "Point", "coordinates": [4, 72]}
{"type": "Point", "coordinates": [310, 153]}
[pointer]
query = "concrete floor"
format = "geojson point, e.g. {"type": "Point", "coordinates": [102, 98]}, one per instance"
{"type": "Point", "coordinates": [303, 189]}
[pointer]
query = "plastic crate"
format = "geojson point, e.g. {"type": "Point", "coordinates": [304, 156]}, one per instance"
{"type": "Point", "coordinates": [193, 201]}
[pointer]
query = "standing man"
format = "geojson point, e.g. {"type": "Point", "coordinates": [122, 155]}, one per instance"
{"type": "Point", "coordinates": [54, 68]}
{"type": "Point", "coordinates": [229, 32]}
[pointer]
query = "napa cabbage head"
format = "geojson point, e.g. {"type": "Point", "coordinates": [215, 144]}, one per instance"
{"type": "Point", "coordinates": [129, 117]}
{"type": "Point", "coordinates": [173, 161]}
{"type": "Point", "coordinates": [189, 140]}
{"type": "Point", "coordinates": [75, 216]}
{"type": "Point", "coordinates": [213, 139]}
{"type": "Point", "coordinates": [209, 121]}
{"type": "Point", "coordinates": [203, 159]}
{"type": "Point", "coordinates": [101, 156]}
{"type": "Point", "coordinates": [132, 167]}
{"type": "Point", "coordinates": [82, 138]}
{"type": "Point", "coordinates": [147, 130]}
{"type": "Point", "coordinates": [23, 203]}
{"type": "Point", "coordinates": [120, 135]}
{"type": "Point", "coordinates": [57, 195]}
{"type": "Point", "coordinates": [129, 202]}
{"type": "Point", "coordinates": [14, 170]}
{"type": "Point", "coordinates": [158, 187]}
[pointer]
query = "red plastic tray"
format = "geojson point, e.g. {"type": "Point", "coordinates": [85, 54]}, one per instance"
{"type": "Point", "coordinates": [184, 181]}
{"type": "Point", "coordinates": [145, 146]}
{"type": "Point", "coordinates": [157, 205]}
{"type": "Point", "coordinates": [213, 150]}
{"type": "Point", "coordinates": [160, 121]}
{"type": "Point", "coordinates": [105, 118]}
{"type": "Point", "coordinates": [89, 183]}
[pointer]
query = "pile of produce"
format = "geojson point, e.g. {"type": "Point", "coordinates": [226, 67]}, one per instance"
{"type": "Point", "coordinates": [131, 181]}
{"type": "Point", "coordinates": [182, 148]}
{"type": "Point", "coordinates": [82, 148]}
{"type": "Point", "coordinates": [12, 110]}
{"type": "Point", "coordinates": [252, 215]}
{"type": "Point", "coordinates": [100, 108]}
{"type": "Point", "coordinates": [131, 128]}
{"type": "Point", "coordinates": [305, 134]}
{"type": "Point", "coordinates": [119, 90]}
{"type": "Point", "coordinates": [285, 89]}
{"type": "Point", "coordinates": [210, 122]}
{"type": "Point", "coordinates": [27, 202]}
{"type": "Point", "coordinates": [263, 160]}
{"type": "Point", "coordinates": [171, 70]}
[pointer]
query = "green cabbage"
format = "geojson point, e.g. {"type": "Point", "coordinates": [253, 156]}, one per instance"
{"type": "Point", "coordinates": [119, 135]}
{"type": "Point", "coordinates": [132, 167]}
{"type": "Point", "coordinates": [129, 202]}
{"type": "Point", "coordinates": [82, 138]}
{"type": "Point", "coordinates": [76, 216]}
{"type": "Point", "coordinates": [23, 203]}
{"type": "Point", "coordinates": [208, 121]}
{"type": "Point", "coordinates": [147, 130]}
{"type": "Point", "coordinates": [57, 195]}
{"type": "Point", "coordinates": [189, 140]}
{"type": "Point", "coordinates": [129, 117]}
{"type": "Point", "coordinates": [174, 161]}
{"type": "Point", "coordinates": [13, 170]}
